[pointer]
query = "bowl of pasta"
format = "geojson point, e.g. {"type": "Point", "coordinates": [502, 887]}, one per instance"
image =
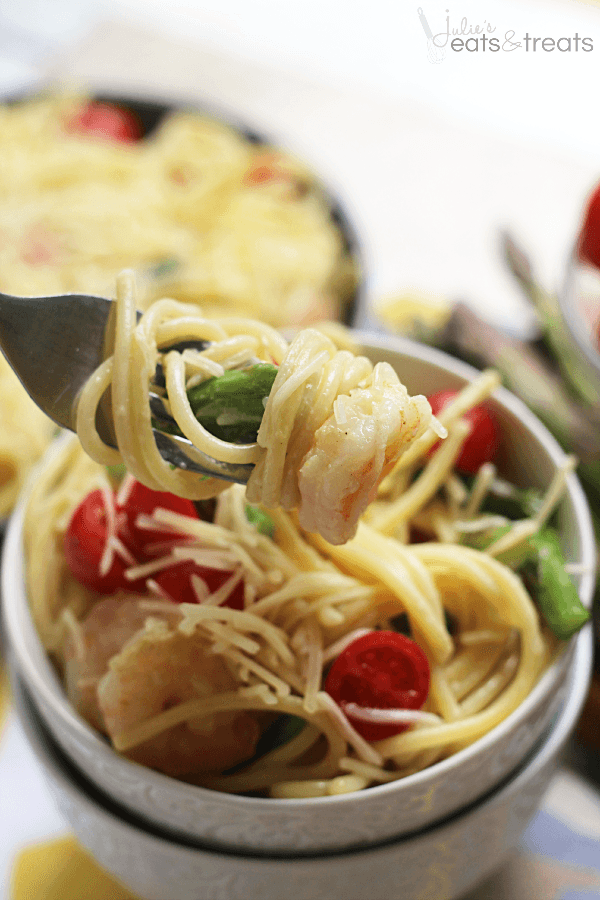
{"type": "Point", "coordinates": [444, 861]}
{"type": "Point", "coordinates": [196, 202]}
{"type": "Point", "coordinates": [370, 636]}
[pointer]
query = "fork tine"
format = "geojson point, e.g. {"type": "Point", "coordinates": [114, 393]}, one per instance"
{"type": "Point", "coordinates": [180, 452]}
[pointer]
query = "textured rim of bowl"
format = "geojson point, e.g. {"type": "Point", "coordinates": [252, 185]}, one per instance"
{"type": "Point", "coordinates": [40, 672]}
{"type": "Point", "coordinates": [548, 748]}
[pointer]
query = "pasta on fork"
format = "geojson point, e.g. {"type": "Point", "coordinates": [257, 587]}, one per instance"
{"type": "Point", "coordinates": [328, 428]}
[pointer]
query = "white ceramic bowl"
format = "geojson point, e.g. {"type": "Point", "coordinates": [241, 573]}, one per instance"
{"type": "Point", "coordinates": [530, 455]}
{"type": "Point", "coordinates": [442, 862]}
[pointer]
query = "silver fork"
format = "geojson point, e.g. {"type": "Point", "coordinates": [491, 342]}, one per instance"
{"type": "Point", "coordinates": [54, 344]}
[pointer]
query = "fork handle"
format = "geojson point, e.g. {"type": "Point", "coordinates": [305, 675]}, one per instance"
{"type": "Point", "coordinates": [43, 343]}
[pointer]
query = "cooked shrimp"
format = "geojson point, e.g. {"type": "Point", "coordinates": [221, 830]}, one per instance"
{"type": "Point", "coordinates": [98, 637]}
{"type": "Point", "coordinates": [354, 449]}
{"type": "Point", "coordinates": [159, 668]}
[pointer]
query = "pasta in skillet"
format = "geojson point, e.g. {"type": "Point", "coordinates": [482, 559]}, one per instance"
{"type": "Point", "coordinates": [196, 208]}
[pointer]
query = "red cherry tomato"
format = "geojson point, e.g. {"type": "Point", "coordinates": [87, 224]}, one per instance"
{"type": "Point", "coordinates": [260, 174]}
{"type": "Point", "coordinates": [379, 670]}
{"type": "Point", "coordinates": [87, 533]}
{"type": "Point", "coordinates": [482, 444]}
{"type": "Point", "coordinates": [176, 581]}
{"type": "Point", "coordinates": [264, 168]}
{"type": "Point", "coordinates": [84, 544]}
{"type": "Point", "coordinates": [589, 236]}
{"type": "Point", "coordinates": [106, 121]}
{"type": "Point", "coordinates": [143, 501]}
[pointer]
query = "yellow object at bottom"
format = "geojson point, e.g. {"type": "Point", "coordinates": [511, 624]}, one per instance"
{"type": "Point", "coordinates": [62, 870]}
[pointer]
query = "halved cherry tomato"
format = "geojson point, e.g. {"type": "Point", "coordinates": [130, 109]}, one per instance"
{"type": "Point", "coordinates": [267, 168]}
{"type": "Point", "coordinates": [261, 174]}
{"type": "Point", "coordinates": [41, 246]}
{"type": "Point", "coordinates": [176, 581]}
{"type": "Point", "coordinates": [86, 536]}
{"type": "Point", "coordinates": [141, 500]}
{"type": "Point", "coordinates": [379, 670]}
{"type": "Point", "coordinates": [482, 444]}
{"type": "Point", "coordinates": [84, 544]}
{"type": "Point", "coordinates": [264, 168]}
{"type": "Point", "coordinates": [106, 121]}
{"type": "Point", "coordinates": [589, 236]}
{"type": "Point", "coordinates": [87, 533]}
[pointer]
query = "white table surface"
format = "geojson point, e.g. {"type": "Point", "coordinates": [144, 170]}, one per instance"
{"type": "Point", "coordinates": [429, 159]}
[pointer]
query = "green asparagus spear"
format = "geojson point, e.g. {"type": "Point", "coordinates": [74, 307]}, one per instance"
{"type": "Point", "coordinates": [555, 333]}
{"type": "Point", "coordinates": [556, 595]}
{"type": "Point", "coordinates": [281, 731]}
{"type": "Point", "coordinates": [507, 499]}
{"type": "Point", "coordinates": [231, 405]}
{"type": "Point", "coordinates": [117, 472]}
{"type": "Point", "coordinates": [554, 592]}
{"type": "Point", "coordinates": [516, 557]}
{"type": "Point", "coordinates": [260, 519]}
{"type": "Point", "coordinates": [529, 374]}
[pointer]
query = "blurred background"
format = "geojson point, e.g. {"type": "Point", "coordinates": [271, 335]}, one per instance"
{"type": "Point", "coordinates": [434, 151]}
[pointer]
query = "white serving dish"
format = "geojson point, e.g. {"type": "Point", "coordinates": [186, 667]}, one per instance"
{"type": "Point", "coordinates": [442, 862]}
{"type": "Point", "coordinates": [327, 823]}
